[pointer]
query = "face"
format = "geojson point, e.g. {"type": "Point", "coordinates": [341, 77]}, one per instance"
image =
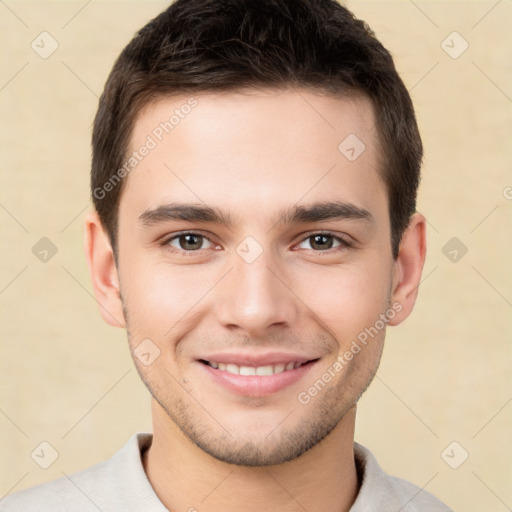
{"type": "Point", "coordinates": [253, 252]}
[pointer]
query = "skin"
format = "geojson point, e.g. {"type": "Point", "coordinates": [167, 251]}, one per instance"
{"type": "Point", "coordinates": [255, 155]}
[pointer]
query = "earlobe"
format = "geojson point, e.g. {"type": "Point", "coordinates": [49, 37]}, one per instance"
{"type": "Point", "coordinates": [103, 270]}
{"type": "Point", "coordinates": [408, 267]}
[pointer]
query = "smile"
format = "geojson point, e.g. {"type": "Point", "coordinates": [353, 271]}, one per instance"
{"type": "Point", "coordinates": [254, 370]}
{"type": "Point", "coordinates": [256, 378]}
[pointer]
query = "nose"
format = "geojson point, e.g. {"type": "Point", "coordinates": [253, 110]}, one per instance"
{"type": "Point", "coordinates": [255, 298]}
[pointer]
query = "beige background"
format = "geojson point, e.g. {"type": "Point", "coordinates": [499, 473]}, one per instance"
{"type": "Point", "coordinates": [68, 379]}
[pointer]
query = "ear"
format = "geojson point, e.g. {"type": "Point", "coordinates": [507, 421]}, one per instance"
{"type": "Point", "coordinates": [408, 267]}
{"type": "Point", "coordinates": [102, 267]}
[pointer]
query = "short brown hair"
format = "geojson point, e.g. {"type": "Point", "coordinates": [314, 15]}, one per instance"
{"type": "Point", "coordinates": [227, 45]}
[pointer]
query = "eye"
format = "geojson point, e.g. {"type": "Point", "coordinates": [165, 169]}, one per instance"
{"type": "Point", "coordinates": [189, 242]}
{"type": "Point", "coordinates": [324, 242]}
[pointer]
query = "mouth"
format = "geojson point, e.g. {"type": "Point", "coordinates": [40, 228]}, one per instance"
{"type": "Point", "coordinates": [256, 377]}
{"type": "Point", "coordinates": [269, 369]}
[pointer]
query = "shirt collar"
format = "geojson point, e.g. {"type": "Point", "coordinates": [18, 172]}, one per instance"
{"type": "Point", "coordinates": [377, 491]}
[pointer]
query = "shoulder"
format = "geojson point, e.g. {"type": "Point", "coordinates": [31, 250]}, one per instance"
{"type": "Point", "coordinates": [96, 488]}
{"type": "Point", "coordinates": [414, 498]}
{"type": "Point", "coordinates": [386, 493]}
{"type": "Point", "coordinates": [68, 492]}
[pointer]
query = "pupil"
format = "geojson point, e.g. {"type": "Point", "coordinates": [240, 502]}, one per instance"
{"type": "Point", "coordinates": [190, 242]}
{"type": "Point", "coordinates": [322, 240]}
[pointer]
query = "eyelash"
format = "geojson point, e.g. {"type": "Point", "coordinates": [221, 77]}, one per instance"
{"type": "Point", "coordinates": [343, 243]}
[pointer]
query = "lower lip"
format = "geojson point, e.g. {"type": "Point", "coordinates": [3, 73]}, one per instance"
{"type": "Point", "coordinates": [257, 385]}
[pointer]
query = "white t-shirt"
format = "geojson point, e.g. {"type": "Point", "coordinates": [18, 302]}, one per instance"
{"type": "Point", "coordinates": [120, 484]}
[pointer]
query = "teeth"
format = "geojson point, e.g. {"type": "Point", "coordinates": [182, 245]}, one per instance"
{"type": "Point", "coordinates": [232, 368]}
{"type": "Point", "coordinates": [262, 370]}
{"type": "Point", "coordinates": [251, 370]}
{"type": "Point", "coordinates": [278, 368]}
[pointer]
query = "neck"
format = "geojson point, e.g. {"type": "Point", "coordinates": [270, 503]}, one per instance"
{"type": "Point", "coordinates": [186, 478]}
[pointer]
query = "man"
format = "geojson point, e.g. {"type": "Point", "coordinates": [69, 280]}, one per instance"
{"type": "Point", "coordinates": [254, 176]}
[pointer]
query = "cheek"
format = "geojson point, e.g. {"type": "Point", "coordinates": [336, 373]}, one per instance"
{"type": "Point", "coordinates": [346, 300]}
{"type": "Point", "coordinates": [158, 296]}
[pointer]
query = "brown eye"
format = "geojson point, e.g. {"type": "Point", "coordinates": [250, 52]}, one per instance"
{"type": "Point", "coordinates": [323, 242]}
{"type": "Point", "coordinates": [189, 242]}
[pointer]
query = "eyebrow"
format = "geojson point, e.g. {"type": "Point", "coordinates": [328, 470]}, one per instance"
{"type": "Point", "coordinates": [323, 211]}
{"type": "Point", "coordinates": [332, 210]}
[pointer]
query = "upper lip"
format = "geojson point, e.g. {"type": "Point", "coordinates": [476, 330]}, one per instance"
{"type": "Point", "coordinates": [269, 358]}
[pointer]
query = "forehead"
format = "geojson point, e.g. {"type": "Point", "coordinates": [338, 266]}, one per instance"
{"type": "Point", "coordinates": [255, 151]}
